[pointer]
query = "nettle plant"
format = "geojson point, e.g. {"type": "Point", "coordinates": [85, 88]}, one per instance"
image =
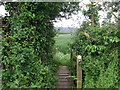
{"type": "Point", "coordinates": [99, 47]}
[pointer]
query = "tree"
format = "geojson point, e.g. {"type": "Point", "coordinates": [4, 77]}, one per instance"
{"type": "Point", "coordinates": [112, 9]}
{"type": "Point", "coordinates": [92, 13]}
{"type": "Point", "coordinates": [28, 42]}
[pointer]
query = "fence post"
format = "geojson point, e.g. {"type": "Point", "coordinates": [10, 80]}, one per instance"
{"type": "Point", "coordinates": [79, 72]}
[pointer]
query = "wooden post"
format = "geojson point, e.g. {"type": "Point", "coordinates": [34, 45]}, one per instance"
{"type": "Point", "coordinates": [79, 72]}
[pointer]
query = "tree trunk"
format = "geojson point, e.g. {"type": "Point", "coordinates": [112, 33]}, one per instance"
{"type": "Point", "coordinates": [92, 20]}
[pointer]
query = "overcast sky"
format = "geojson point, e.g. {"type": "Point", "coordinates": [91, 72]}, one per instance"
{"type": "Point", "coordinates": [74, 21]}
{"type": "Point", "coordinates": [77, 20]}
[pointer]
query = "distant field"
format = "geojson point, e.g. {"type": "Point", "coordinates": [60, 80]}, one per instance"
{"type": "Point", "coordinates": [62, 42]}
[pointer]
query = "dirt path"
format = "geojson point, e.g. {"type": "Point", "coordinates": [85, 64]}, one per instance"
{"type": "Point", "coordinates": [63, 75]}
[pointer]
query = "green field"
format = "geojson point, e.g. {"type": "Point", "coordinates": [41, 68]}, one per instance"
{"type": "Point", "coordinates": [63, 42]}
{"type": "Point", "coordinates": [62, 45]}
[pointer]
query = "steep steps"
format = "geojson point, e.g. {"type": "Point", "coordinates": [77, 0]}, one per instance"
{"type": "Point", "coordinates": [63, 74]}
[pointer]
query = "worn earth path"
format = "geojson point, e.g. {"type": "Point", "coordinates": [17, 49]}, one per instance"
{"type": "Point", "coordinates": [63, 74]}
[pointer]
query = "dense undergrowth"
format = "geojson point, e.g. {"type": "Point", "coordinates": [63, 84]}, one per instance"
{"type": "Point", "coordinates": [99, 47]}
{"type": "Point", "coordinates": [62, 59]}
{"type": "Point", "coordinates": [28, 40]}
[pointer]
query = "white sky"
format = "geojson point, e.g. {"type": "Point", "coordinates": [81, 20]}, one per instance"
{"type": "Point", "coordinates": [75, 21]}
{"type": "Point", "coordinates": [2, 10]}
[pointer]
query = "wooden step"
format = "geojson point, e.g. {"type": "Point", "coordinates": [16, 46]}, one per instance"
{"type": "Point", "coordinates": [63, 87]}
{"type": "Point", "coordinates": [63, 80]}
{"type": "Point", "coordinates": [63, 74]}
{"type": "Point", "coordinates": [65, 77]}
{"type": "Point", "coordinates": [64, 84]}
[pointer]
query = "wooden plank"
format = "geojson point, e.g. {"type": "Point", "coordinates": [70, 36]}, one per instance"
{"type": "Point", "coordinates": [60, 73]}
{"type": "Point", "coordinates": [63, 80]}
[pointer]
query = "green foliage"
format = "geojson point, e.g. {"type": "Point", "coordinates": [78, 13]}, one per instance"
{"type": "Point", "coordinates": [101, 71]}
{"type": "Point", "coordinates": [61, 58]}
{"type": "Point", "coordinates": [100, 51]}
{"type": "Point", "coordinates": [111, 8]}
{"type": "Point", "coordinates": [92, 12]}
{"type": "Point", "coordinates": [101, 39]}
{"type": "Point", "coordinates": [28, 44]}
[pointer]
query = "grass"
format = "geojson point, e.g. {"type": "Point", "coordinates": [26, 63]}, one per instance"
{"type": "Point", "coordinates": [62, 59]}
{"type": "Point", "coordinates": [62, 45]}
{"type": "Point", "coordinates": [63, 42]}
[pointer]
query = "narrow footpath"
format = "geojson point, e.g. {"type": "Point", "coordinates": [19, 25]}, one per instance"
{"type": "Point", "coordinates": [64, 77]}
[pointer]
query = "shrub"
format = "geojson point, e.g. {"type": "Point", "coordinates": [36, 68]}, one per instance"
{"type": "Point", "coordinates": [99, 47]}
{"type": "Point", "coordinates": [28, 39]}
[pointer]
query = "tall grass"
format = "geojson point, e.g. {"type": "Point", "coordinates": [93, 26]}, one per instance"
{"type": "Point", "coordinates": [61, 58]}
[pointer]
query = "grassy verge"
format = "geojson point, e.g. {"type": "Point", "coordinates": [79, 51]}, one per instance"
{"type": "Point", "coordinates": [62, 59]}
